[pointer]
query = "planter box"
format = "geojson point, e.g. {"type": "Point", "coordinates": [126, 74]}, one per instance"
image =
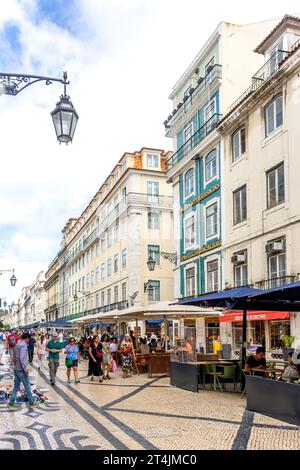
{"type": "Point", "coordinates": [278, 400]}
{"type": "Point", "coordinates": [184, 376]}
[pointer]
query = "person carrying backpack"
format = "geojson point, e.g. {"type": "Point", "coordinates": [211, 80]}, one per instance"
{"type": "Point", "coordinates": [11, 341]}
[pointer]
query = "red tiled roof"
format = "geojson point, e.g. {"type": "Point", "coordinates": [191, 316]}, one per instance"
{"type": "Point", "coordinates": [284, 19]}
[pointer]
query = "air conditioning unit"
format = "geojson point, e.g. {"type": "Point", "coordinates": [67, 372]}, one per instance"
{"type": "Point", "coordinates": [239, 258]}
{"type": "Point", "coordinates": [275, 246]}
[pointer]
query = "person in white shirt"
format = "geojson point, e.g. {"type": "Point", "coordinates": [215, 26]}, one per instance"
{"type": "Point", "coordinates": [41, 351]}
{"type": "Point", "coordinates": [61, 337]}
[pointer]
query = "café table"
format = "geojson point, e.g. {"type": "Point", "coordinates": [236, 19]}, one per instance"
{"type": "Point", "coordinates": [270, 371]}
{"type": "Point", "coordinates": [202, 364]}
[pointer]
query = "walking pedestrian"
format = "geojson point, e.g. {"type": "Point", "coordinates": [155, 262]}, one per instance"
{"type": "Point", "coordinates": [106, 361]}
{"type": "Point", "coordinates": [21, 373]}
{"type": "Point", "coordinates": [31, 345]}
{"type": "Point", "coordinates": [96, 356]}
{"type": "Point", "coordinates": [11, 341]}
{"type": "Point", "coordinates": [41, 351]}
{"type": "Point", "coordinates": [127, 356]}
{"type": "Point", "coordinates": [54, 347]}
{"type": "Point", "coordinates": [72, 359]}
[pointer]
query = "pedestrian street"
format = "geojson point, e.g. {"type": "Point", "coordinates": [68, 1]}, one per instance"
{"type": "Point", "coordinates": [136, 413]}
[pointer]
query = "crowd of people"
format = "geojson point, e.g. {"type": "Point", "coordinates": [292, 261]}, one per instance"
{"type": "Point", "coordinates": [105, 353]}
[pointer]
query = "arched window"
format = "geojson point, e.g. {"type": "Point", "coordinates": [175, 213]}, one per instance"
{"type": "Point", "coordinates": [273, 115]}
{"type": "Point", "coordinates": [189, 182]}
{"type": "Point", "coordinates": [211, 165]}
{"type": "Point", "coordinates": [238, 143]}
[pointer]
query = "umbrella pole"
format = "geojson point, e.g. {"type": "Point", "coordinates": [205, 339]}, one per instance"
{"type": "Point", "coordinates": [244, 346]}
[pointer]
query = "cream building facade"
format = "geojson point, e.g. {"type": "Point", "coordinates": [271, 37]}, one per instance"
{"type": "Point", "coordinates": [261, 187]}
{"type": "Point", "coordinates": [104, 253]}
{"type": "Point", "coordinates": [51, 287]}
{"type": "Point", "coordinates": [215, 78]}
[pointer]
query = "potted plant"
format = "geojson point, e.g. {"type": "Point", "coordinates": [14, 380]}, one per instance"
{"type": "Point", "coordinates": [287, 342]}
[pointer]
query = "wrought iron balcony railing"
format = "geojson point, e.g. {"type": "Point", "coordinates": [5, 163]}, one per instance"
{"type": "Point", "coordinates": [106, 308]}
{"type": "Point", "coordinates": [274, 282]}
{"type": "Point", "coordinates": [197, 137]}
{"type": "Point", "coordinates": [203, 84]}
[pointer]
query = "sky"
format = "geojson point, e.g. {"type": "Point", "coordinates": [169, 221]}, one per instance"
{"type": "Point", "coordinates": [123, 57]}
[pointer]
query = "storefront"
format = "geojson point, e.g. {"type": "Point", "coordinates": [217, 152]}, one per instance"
{"type": "Point", "coordinates": [212, 333]}
{"type": "Point", "coordinates": [153, 327]}
{"type": "Point", "coordinates": [263, 328]}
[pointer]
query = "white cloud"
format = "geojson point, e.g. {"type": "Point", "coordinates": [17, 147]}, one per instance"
{"type": "Point", "coordinates": [123, 59]}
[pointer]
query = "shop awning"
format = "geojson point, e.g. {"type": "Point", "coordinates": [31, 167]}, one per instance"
{"type": "Point", "coordinates": [255, 315]}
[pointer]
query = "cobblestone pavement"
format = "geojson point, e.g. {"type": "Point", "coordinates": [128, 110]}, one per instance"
{"type": "Point", "coordinates": [136, 413]}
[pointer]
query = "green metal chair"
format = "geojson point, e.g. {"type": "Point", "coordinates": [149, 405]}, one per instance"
{"type": "Point", "coordinates": [211, 371]}
{"type": "Point", "coordinates": [245, 372]}
{"type": "Point", "coordinates": [229, 373]}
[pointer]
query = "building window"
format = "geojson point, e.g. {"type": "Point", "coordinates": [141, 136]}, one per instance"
{"type": "Point", "coordinates": [124, 166]}
{"type": "Point", "coordinates": [124, 194]}
{"type": "Point", "coordinates": [277, 330]}
{"type": "Point", "coordinates": [209, 113]}
{"type": "Point", "coordinates": [116, 294]}
{"type": "Point", "coordinates": [102, 298]}
{"type": "Point", "coordinates": [124, 291]}
{"type": "Point", "coordinates": [124, 258]}
{"type": "Point", "coordinates": [108, 267]}
{"type": "Point", "coordinates": [188, 132]}
{"type": "Point", "coordinates": [187, 98]}
{"type": "Point", "coordinates": [190, 282]}
{"type": "Point", "coordinates": [97, 301]}
{"type": "Point", "coordinates": [154, 252]}
{"type": "Point", "coordinates": [276, 253]}
{"type": "Point", "coordinates": [213, 276]}
{"type": "Point", "coordinates": [208, 71]}
{"type": "Point", "coordinates": [116, 263]}
{"type": "Point", "coordinates": [108, 296]}
{"type": "Point", "coordinates": [116, 232]}
{"type": "Point", "coordinates": [189, 232]}
{"type": "Point", "coordinates": [239, 205]}
{"type": "Point", "coordinates": [116, 177]}
{"type": "Point", "coordinates": [273, 115]}
{"type": "Point", "coordinates": [153, 221]}
{"type": "Point", "coordinates": [240, 269]}
{"type": "Point", "coordinates": [152, 161]}
{"type": "Point", "coordinates": [211, 165]}
{"type": "Point", "coordinates": [275, 186]}
{"type": "Point", "coordinates": [102, 271]}
{"type": "Point", "coordinates": [153, 191]}
{"type": "Point", "coordinates": [189, 182]}
{"type": "Point", "coordinates": [238, 143]}
{"type": "Point", "coordinates": [211, 220]}
{"type": "Point", "coordinates": [154, 291]}
{"type": "Point", "coordinates": [102, 244]}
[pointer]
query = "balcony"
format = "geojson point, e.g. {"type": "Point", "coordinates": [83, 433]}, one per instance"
{"type": "Point", "coordinates": [106, 308]}
{"type": "Point", "coordinates": [267, 71]}
{"type": "Point", "coordinates": [274, 282]}
{"type": "Point", "coordinates": [90, 239]}
{"type": "Point", "coordinates": [183, 110]}
{"type": "Point", "coordinates": [197, 137]}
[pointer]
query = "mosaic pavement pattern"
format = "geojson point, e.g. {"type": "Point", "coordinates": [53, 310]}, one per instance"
{"type": "Point", "coordinates": [136, 413]}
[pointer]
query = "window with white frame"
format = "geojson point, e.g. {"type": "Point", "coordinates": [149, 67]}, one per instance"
{"type": "Point", "coordinates": [97, 300]}
{"type": "Point", "coordinates": [154, 291]}
{"type": "Point", "coordinates": [189, 182]}
{"type": "Point", "coordinates": [153, 191]}
{"type": "Point", "coordinates": [238, 143]}
{"type": "Point", "coordinates": [189, 231]}
{"type": "Point", "coordinates": [124, 258]}
{"type": "Point", "coordinates": [116, 263]}
{"type": "Point", "coordinates": [275, 186]}
{"type": "Point", "coordinates": [109, 267]}
{"type": "Point", "coordinates": [124, 291]}
{"type": "Point", "coordinates": [188, 132]}
{"type": "Point", "coordinates": [211, 165]}
{"type": "Point", "coordinates": [209, 71]}
{"type": "Point", "coordinates": [116, 232]}
{"type": "Point", "coordinates": [124, 166]}
{"type": "Point", "coordinates": [187, 98]}
{"type": "Point", "coordinates": [116, 294]}
{"type": "Point", "coordinates": [124, 194]}
{"type": "Point", "coordinates": [153, 220]}
{"type": "Point", "coordinates": [190, 281]}
{"type": "Point", "coordinates": [108, 296]}
{"type": "Point", "coordinates": [102, 271]}
{"type": "Point", "coordinates": [212, 220]}
{"type": "Point", "coordinates": [152, 161]}
{"type": "Point", "coordinates": [212, 269]}
{"type": "Point", "coordinates": [154, 252]}
{"type": "Point", "coordinates": [240, 205]}
{"type": "Point", "coordinates": [102, 298]}
{"type": "Point", "coordinates": [273, 115]}
{"type": "Point", "coordinates": [276, 253]}
{"type": "Point", "coordinates": [209, 112]}
{"type": "Point", "coordinates": [240, 268]}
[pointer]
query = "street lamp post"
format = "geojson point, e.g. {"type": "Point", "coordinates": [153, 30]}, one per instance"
{"type": "Point", "coordinates": [64, 115]}
{"type": "Point", "coordinates": [13, 279]}
{"type": "Point", "coordinates": [84, 292]}
{"type": "Point", "coordinates": [172, 257]}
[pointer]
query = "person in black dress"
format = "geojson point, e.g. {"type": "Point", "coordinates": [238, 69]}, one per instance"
{"type": "Point", "coordinates": [95, 359]}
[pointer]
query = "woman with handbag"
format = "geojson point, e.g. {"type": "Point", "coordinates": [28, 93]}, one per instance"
{"type": "Point", "coordinates": [95, 359]}
{"type": "Point", "coordinates": [106, 361]}
{"type": "Point", "coordinates": [72, 359]}
{"type": "Point", "coordinates": [127, 356]}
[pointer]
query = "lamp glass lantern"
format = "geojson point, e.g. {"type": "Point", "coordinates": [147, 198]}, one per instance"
{"type": "Point", "coordinates": [65, 119]}
{"type": "Point", "coordinates": [13, 280]}
{"type": "Point", "coordinates": [151, 263]}
{"type": "Point", "coordinates": [75, 297]}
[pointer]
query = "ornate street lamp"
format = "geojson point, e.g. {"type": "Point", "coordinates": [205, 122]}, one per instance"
{"type": "Point", "coordinates": [13, 279]}
{"type": "Point", "coordinates": [75, 297]}
{"type": "Point", "coordinates": [151, 263]}
{"type": "Point", "coordinates": [64, 115]}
